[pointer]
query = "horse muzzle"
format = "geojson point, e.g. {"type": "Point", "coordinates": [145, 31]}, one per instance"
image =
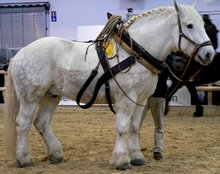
{"type": "Point", "coordinates": [205, 55]}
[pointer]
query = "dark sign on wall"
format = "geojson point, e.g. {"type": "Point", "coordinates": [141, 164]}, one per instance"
{"type": "Point", "coordinates": [53, 16]}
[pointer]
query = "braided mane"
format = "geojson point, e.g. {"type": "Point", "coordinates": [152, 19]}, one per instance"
{"type": "Point", "coordinates": [149, 14]}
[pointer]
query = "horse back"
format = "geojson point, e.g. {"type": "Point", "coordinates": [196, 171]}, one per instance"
{"type": "Point", "coordinates": [39, 66]}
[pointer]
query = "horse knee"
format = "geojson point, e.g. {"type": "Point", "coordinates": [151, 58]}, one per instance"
{"type": "Point", "coordinates": [134, 128]}
{"type": "Point", "coordinates": [25, 116]}
{"type": "Point", "coordinates": [23, 125]}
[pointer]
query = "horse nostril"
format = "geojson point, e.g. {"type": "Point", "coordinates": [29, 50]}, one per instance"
{"type": "Point", "coordinates": [207, 55]}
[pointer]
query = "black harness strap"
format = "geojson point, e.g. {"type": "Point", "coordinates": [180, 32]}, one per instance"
{"type": "Point", "coordinates": [105, 77]}
{"type": "Point", "coordinates": [103, 61]}
{"type": "Point", "coordinates": [86, 84]}
{"type": "Point", "coordinates": [142, 53]}
{"type": "Point", "coordinates": [108, 96]}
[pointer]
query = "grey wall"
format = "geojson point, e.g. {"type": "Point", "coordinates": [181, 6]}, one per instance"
{"type": "Point", "coordinates": [73, 13]}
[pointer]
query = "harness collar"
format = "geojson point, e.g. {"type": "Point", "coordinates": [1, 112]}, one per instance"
{"type": "Point", "coordinates": [133, 48]}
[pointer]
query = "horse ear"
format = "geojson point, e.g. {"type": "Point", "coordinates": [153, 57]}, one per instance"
{"type": "Point", "coordinates": [194, 3]}
{"type": "Point", "coordinates": [176, 6]}
{"type": "Point", "coordinates": [109, 15]}
{"type": "Point", "coordinates": [178, 9]}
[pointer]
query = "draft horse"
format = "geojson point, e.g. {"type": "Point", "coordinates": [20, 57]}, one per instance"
{"type": "Point", "coordinates": [43, 71]}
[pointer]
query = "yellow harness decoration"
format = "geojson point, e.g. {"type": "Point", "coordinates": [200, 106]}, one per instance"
{"type": "Point", "coordinates": [109, 48]}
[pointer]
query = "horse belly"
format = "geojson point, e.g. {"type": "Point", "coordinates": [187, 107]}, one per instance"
{"type": "Point", "coordinates": [69, 83]}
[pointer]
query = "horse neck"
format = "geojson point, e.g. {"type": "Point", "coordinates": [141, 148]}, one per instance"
{"type": "Point", "coordinates": [155, 34]}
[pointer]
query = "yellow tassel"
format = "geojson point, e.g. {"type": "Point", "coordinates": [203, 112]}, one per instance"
{"type": "Point", "coordinates": [109, 48]}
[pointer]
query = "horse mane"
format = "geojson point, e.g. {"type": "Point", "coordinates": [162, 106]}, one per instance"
{"type": "Point", "coordinates": [149, 14]}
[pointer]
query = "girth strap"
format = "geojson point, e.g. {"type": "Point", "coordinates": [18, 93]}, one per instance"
{"type": "Point", "coordinates": [105, 77]}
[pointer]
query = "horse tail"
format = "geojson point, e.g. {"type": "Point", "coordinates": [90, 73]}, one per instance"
{"type": "Point", "coordinates": [11, 111]}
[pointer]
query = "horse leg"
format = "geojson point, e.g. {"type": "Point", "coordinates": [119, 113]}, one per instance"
{"type": "Point", "coordinates": [136, 156]}
{"type": "Point", "coordinates": [23, 125]}
{"type": "Point", "coordinates": [194, 96]}
{"type": "Point", "coordinates": [157, 107]}
{"type": "Point", "coordinates": [42, 123]}
{"type": "Point", "coordinates": [124, 110]}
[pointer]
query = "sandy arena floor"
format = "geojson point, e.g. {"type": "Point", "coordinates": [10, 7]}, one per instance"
{"type": "Point", "coordinates": [192, 145]}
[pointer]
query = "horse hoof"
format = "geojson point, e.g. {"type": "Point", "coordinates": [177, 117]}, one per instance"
{"type": "Point", "coordinates": [138, 162]}
{"type": "Point", "coordinates": [56, 157]}
{"type": "Point", "coordinates": [157, 155]}
{"type": "Point", "coordinates": [25, 164]}
{"type": "Point", "coordinates": [199, 112]}
{"type": "Point", "coordinates": [55, 160]}
{"type": "Point", "coordinates": [125, 166]}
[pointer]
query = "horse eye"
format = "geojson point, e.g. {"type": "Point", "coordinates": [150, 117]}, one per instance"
{"type": "Point", "coordinates": [190, 26]}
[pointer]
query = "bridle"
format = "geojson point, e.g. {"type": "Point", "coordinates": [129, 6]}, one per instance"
{"type": "Point", "coordinates": [182, 35]}
{"type": "Point", "coordinates": [195, 51]}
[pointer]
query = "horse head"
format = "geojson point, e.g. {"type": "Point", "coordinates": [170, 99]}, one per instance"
{"type": "Point", "coordinates": [191, 37]}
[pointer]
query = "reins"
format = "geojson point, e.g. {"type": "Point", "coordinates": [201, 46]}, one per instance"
{"type": "Point", "coordinates": [180, 80]}
{"type": "Point", "coordinates": [190, 79]}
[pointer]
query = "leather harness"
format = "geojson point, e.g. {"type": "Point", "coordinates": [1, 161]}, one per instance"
{"type": "Point", "coordinates": [137, 52]}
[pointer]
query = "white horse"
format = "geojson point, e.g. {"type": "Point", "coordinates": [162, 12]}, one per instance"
{"type": "Point", "coordinates": [51, 67]}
